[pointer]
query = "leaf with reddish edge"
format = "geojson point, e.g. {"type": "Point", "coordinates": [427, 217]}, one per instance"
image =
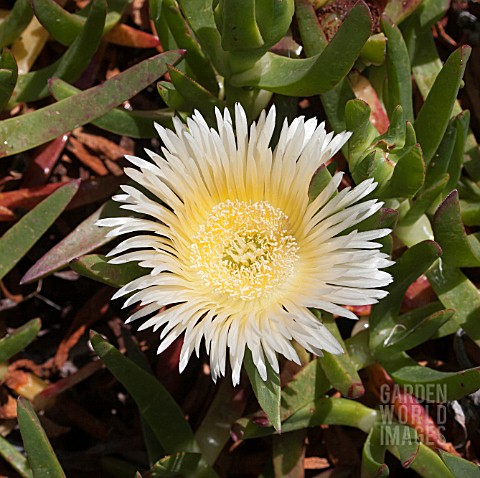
{"type": "Point", "coordinates": [35, 128]}
{"type": "Point", "coordinates": [44, 161]}
{"type": "Point", "coordinates": [373, 455]}
{"type": "Point", "coordinates": [125, 35]}
{"type": "Point", "coordinates": [85, 238]}
{"type": "Point", "coordinates": [364, 90]}
{"type": "Point", "coordinates": [459, 249]}
{"type": "Point", "coordinates": [19, 239]}
{"type": "Point", "coordinates": [406, 407]}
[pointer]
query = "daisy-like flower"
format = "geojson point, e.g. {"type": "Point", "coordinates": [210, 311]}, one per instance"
{"type": "Point", "coordinates": [235, 246]}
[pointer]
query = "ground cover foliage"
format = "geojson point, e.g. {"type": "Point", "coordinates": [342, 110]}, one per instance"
{"type": "Point", "coordinates": [81, 83]}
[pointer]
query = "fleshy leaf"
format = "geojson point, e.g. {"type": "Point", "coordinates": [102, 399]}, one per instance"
{"type": "Point", "coordinates": [454, 385]}
{"type": "Point", "coordinates": [134, 124]}
{"type": "Point", "coordinates": [85, 238]}
{"type": "Point", "coordinates": [41, 456]}
{"type": "Point", "coordinates": [96, 267]}
{"type": "Point", "coordinates": [373, 454]}
{"type": "Point", "coordinates": [339, 369]}
{"type": "Point", "coordinates": [414, 262]}
{"type": "Point", "coordinates": [65, 27]}
{"type": "Point", "coordinates": [24, 133]}
{"type": "Point", "coordinates": [20, 338]}
{"type": "Point", "coordinates": [167, 421]}
{"type": "Point", "coordinates": [433, 118]}
{"type": "Point", "coordinates": [268, 392]}
{"type": "Point", "coordinates": [34, 85]}
{"type": "Point", "coordinates": [457, 292]}
{"type": "Point", "coordinates": [174, 22]}
{"type": "Point", "coordinates": [398, 69]}
{"type": "Point", "coordinates": [459, 467]}
{"type": "Point", "coordinates": [8, 77]}
{"type": "Point", "coordinates": [18, 240]}
{"type": "Point", "coordinates": [14, 458]}
{"type": "Point", "coordinates": [459, 249]}
{"type": "Point", "coordinates": [16, 21]}
{"type": "Point", "coordinates": [317, 74]}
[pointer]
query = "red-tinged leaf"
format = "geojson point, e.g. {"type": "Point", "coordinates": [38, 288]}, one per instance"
{"type": "Point", "coordinates": [44, 160]}
{"type": "Point", "coordinates": [44, 124]}
{"type": "Point", "coordinates": [84, 239]}
{"type": "Point", "coordinates": [412, 413]}
{"type": "Point", "coordinates": [420, 293]}
{"type": "Point", "coordinates": [364, 90]}
{"type": "Point", "coordinates": [125, 35]}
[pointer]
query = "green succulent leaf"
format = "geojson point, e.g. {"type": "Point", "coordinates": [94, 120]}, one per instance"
{"type": "Point", "coordinates": [339, 369]}
{"type": "Point", "coordinates": [167, 421]}
{"type": "Point", "coordinates": [432, 120]}
{"type": "Point", "coordinates": [14, 458]}
{"type": "Point", "coordinates": [268, 392]}
{"type": "Point", "coordinates": [454, 385]}
{"type": "Point", "coordinates": [96, 267]}
{"type": "Point", "coordinates": [65, 27]}
{"type": "Point", "coordinates": [176, 465]}
{"type": "Point", "coordinates": [373, 454]}
{"type": "Point", "coordinates": [8, 77]}
{"type": "Point", "coordinates": [398, 71]}
{"type": "Point", "coordinates": [193, 93]}
{"type": "Point", "coordinates": [317, 74]}
{"type": "Point", "coordinates": [16, 21]}
{"type": "Point", "coordinates": [357, 117]}
{"type": "Point", "coordinates": [459, 467]}
{"type": "Point", "coordinates": [134, 124]}
{"type": "Point", "coordinates": [19, 239]}
{"type": "Point", "coordinates": [414, 262]}
{"type": "Point", "coordinates": [20, 338]}
{"type": "Point", "coordinates": [407, 177]}
{"type": "Point", "coordinates": [457, 292]}
{"type": "Point", "coordinates": [459, 249]}
{"type": "Point", "coordinates": [168, 16]}
{"type": "Point", "coordinates": [41, 457]}
{"type": "Point", "coordinates": [423, 200]}
{"type": "Point", "coordinates": [32, 129]}
{"type": "Point", "coordinates": [407, 336]}
{"type": "Point", "coordinates": [34, 85]}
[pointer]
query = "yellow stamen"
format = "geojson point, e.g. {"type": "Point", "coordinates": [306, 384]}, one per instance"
{"type": "Point", "coordinates": [244, 249]}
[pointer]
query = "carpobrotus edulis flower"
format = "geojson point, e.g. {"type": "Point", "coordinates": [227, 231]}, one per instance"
{"type": "Point", "coordinates": [236, 248]}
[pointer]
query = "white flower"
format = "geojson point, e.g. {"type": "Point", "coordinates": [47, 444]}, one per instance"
{"type": "Point", "coordinates": [236, 247]}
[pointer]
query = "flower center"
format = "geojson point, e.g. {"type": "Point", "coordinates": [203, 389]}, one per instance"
{"type": "Point", "coordinates": [244, 249]}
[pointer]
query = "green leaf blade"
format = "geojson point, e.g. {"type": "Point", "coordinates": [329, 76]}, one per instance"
{"type": "Point", "coordinates": [24, 133]}
{"type": "Point", "coordinates": [18, 240]}
{"type": "Point", "coordinates": [41, 457]}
